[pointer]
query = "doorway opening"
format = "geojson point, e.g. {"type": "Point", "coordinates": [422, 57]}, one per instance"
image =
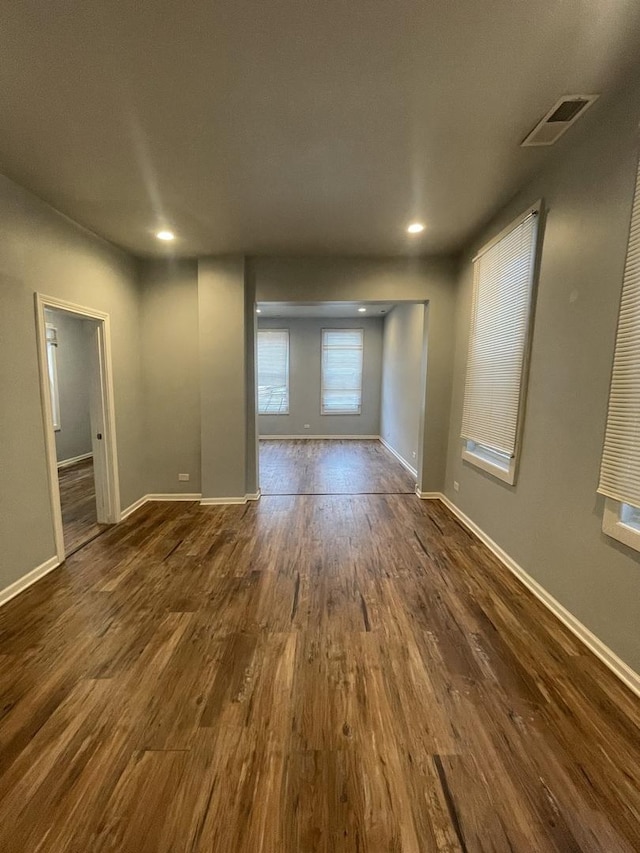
{"type": "Point", "coordinates": [340, 397]}
{"type": "Point", "coordinates": [79, 423]}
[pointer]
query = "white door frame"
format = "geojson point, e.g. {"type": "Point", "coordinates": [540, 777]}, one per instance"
{"type": "Point", "coordinates": [105, 401]}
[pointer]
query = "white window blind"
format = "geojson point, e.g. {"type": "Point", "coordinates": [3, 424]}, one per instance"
{"type": "Point", "coordinates": [273, 371]}
{"type": "Point", "coordinates": [342, 371]}
{"type": "Point", "coordinates": [500, 323]}
{"type": "Point", "coordinates": [620, 469]}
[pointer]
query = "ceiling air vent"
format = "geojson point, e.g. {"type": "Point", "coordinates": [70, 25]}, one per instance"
{"type": "Point", "coordinates": [559, 119]}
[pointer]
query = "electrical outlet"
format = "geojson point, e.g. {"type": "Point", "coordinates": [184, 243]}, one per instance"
{"type": "Point", "coordinates": [413, 453]}
{"type": "Point", "coordinates": [456, 486]}
{"type": "Point", "coordinates": [183, 478]}
{"type": "Point", "coordinates": [307, 426]}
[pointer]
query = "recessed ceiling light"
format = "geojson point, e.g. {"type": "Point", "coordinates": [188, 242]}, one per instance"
{"type": "Point", "coordinates": [258, 310]}
{"type": "Point", "coordinates": [415, 228]}
{"type": "Point", "coordinates": [167, 236]}
{"type": "Point", "coordinates": [362, 310]}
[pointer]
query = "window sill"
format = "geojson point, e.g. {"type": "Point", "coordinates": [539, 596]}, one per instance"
{"type": "Point", "coordinates": [506, 474]}
{"type": "Point", "coordinates": [613, 526]}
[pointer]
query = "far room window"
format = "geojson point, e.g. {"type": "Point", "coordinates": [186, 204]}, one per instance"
{"type": "Point", "coordinates": [273, 371]}
{"type": "Point", "coordinates": [620, 468]}
{"type": "Point", "coordinates": [342, 351]}
{"type": "Point", "coordinates": [501, 315]}
{"type": "Point", "coordinates": [52, 365]}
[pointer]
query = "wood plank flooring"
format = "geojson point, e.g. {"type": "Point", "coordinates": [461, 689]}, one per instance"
{"type": "Point", "coordinates": [78, 500]}
{"type": "Point", "coordinates": [305, 674]}
{"type": "Point", "coordinates": [330, 466]}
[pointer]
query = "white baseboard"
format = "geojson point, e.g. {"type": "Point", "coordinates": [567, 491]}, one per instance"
{"type": "Point", "coordinates": [195, 496]}
{"type": "Point", "coordinates": [175, 496]}
{"type": "Point", "coordinates": [229, 501]}
{"type": "Point", "coordinates": [413, 471]}
{"type": "Point", "coordinates": [158, 497]}
{"type": "Point", "coordinates": [28, 580]}
{"type": "Point", "coordinates": [323, 437]}
{"type": "Point", "coordinates": [619, 668]}
{"type": "Point", "coordinates": [67, 463]}
{"type": "Point", "coordinates": [134, 506]}
{"type": "Point", "coordinates": [429, 496]}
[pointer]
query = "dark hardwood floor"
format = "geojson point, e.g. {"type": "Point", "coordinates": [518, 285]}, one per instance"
{"type": "Point", "coordinates": [78, 500]}
{"type": "Point", "coordinates": [303, 674]}
{"type": "Point", "coordinates": [330, 466]}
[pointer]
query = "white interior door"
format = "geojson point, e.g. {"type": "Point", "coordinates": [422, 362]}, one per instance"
{"type": "Point", "coordinates": [98, 408]}
{"type": "Point", "coordinates": [101, 411]}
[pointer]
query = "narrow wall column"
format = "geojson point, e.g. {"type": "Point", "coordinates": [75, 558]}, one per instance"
{"type": "Point", "coordinates": [225, 308]}
{"type": "Point", "coordinates": [251, 411]}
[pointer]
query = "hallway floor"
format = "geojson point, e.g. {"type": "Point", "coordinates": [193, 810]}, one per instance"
{"type": "Point", "coordinates": [78, 501]}
{"type": "Point", "coordinates": [331, 467]}
{"type": "Point", "coordinates": [301, 674]}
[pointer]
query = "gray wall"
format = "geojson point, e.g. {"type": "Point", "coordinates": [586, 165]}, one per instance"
{"type": "Point", "coordinates": [550, 521]}
{"type": "Point", "coordinates": [387, 280]}
{"type": "Point", "coordinates": [169, 289]}
{"type": "Point", "coordinates": [305, 345]}
{"type": "Point", "coordinates": [403, 380]}
{"type": "Point", "coordinates": [73, 359]}
{"type": "Point", "coordinates": [197, 337]}
{"type": "Point", "coordinates": [43, 251]}
{"type": "Point", "coordinates": [171, 376]}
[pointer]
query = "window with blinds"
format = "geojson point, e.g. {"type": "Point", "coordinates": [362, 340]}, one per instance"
{"type": "Point", "coordinates": [342, 371]}
{"type": "Point", "coordinates": [273, 371]}
{"type": "Point", "coordinates": [498, 347]}
{"type": "Point", "coordinates": [620, 467]}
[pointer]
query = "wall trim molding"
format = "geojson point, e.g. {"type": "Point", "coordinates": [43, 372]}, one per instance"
{"type": "Point", "coordinates": [67, 463]}
{"type": "Point", "coordinates": [195, 496]}
{"type": "Point", "coordinates": [28, 580]}
{"type": "Point", "coordinates": [413, 471]}
{"type": "Point", "coordinates": [223, 501]}
{"type": "Point", "coordinates": [174, 496]}
{"type": "Point", "coordinates": [608, 657]}
{"type": "Point", "coordinates": [133, 507]}
{"type": "Point", "coordinates": [243, 499]}
{"type": "Point", "coordinates": [326, 437]}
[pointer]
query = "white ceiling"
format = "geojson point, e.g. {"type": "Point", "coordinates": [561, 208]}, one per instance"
{"type": "Point", "coordinates": [323, 310]}
{"type": "Point", "coordinates": [295, 126]}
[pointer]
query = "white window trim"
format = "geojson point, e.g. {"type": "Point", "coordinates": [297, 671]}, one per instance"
{"type": "Point", "coordinates": [614, 526]}
{"type": "Point", "coordinates": [350, 411]}
{"type": "Point", "coordinates": [287, 411]}
{"type": "Point", "coordinates": [472, 452]}
{"type": "Point", "coordinates": [480, 456]}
